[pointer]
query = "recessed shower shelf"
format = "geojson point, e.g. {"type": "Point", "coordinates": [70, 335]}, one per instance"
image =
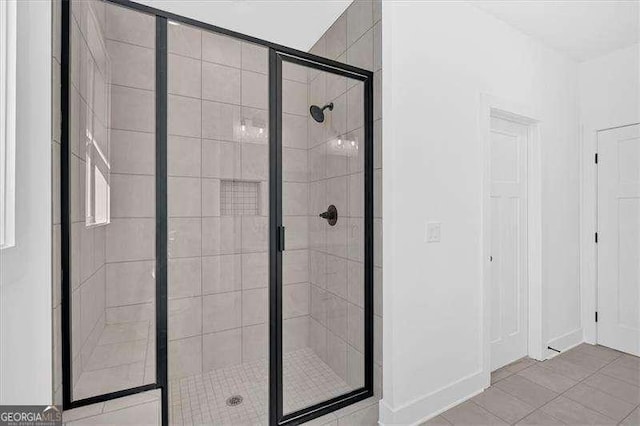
{"type": "Point", "coordinates": [239, 198]}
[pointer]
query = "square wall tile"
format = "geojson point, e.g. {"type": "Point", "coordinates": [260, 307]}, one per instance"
{"type": "Point", "coordinates": [130, 283]}
{"type": "Point", "coordinates": [337, 355]}
{"type": "Point", "coordinates": [185, 317]}
{"type": "Point", "coordinates": [220, 121]}
{"type": "Point", "coordinates": [255, 342]}
{"type": "Point", "coordinates": [183, 156]}
{"type": "Point", "coordinates": [185, 40]}
{"type": "Point", "coordinates": [220, 235]}
{"type": "Point", "coordinates": [184, 76]}
{"type": "Point", "coordinates": [131, 65]}
{"type": "Point", "coordinates": [132, 196]}
{"type": "Point", "coordinates": [295, 300]}
{"type": "Point", "coordinates": [131, 239]}
{"type": "Point", "coordinates": [294, 131]}
{"type": "Point", "coordinates": [336, 38]}
{"type": "Point", "coordinates": [221, 349]}
{"type": "Point", "coordinates": [184, 237]}
{"type": "Point", "coordinates": [294, 165]}
{"type": "Point", "coordinates": [210, 197]}
{"type": "Point", "coordinates": [184, 197]}
{"type": "Point", "coordinates": [220, 83]}
{"type": "Point", "coordinates": [255, 234]}
{"type": "Point", "coordinates": [221, 49]}
{"type": "Point", "coordinates": [295, 334]}
{"type": "Point", "coordinates": [255, 270]}
{"type": "Point", "coordinates": [295, 265]}
{"type": "Point", "coordinates": [221, 311]}
{"type": "Point", "coordinates": [133, 109]}
{"type": "Point", "coordinates": [294, 98]}
{"type": "Point", "coordinates": [319, 304]}
{"type": "Point", "coordinates": [221, 159]}
{"type": "Point", "coordinates": [255, 90]}
{"type": "Point", "coordinates": [124, 24]}
{"type": "Point", "coordinates": [255, 58]}
{"type": "Point", "coordinates": [360, 53]}
{"type": "Point", "coordinates": [221, 274]}
{"type": "Point", "coordinates": [133, 152]}
{"type": "Point", "coordinates": [185, 357]}
{"type": "Point", "coordinates": [184, 276]}
{"type": "Point", "coordinates": [359, 19]}
{"type": "Point", "coordinates": [184, 116]}
{"type": "Point", "coordinates": [254, 306]}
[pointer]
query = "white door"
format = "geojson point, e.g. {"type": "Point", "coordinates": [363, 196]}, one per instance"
{"type": "Point", "coordinates": [619, 239]}
{"type": "Point", "coordinates": [508, 213]}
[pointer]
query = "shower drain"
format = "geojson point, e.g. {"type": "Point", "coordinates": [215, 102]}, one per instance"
{"type": "Point", "coordinates": [234, 400]}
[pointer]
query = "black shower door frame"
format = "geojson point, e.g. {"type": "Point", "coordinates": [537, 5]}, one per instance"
{"type": "Point", "coordinates": [277, 54]}
{"type": "Point", "coordinates": [277, 237]}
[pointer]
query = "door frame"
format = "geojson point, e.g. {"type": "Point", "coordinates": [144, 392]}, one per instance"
{"type": "Point", "coordinates": [522, 114]}
{"type": "Point", "coordinates": [277, 239]}
{"type": "Point", "coordinates": [589, 227]}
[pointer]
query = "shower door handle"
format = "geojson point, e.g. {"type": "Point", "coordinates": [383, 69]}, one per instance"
{"type": "Point", "coordinates": [281, 238]}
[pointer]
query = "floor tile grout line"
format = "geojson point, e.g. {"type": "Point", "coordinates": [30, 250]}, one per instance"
{"type": "Point", "coordinates": [563, 394]}
{"type": "Point", "coordinates": [559, 394]}
{"type": "Point", "coordinates": [629, 415]}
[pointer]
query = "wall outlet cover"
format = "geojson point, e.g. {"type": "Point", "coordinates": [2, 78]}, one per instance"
{"type": "Point", "coordinates": [433, 232]}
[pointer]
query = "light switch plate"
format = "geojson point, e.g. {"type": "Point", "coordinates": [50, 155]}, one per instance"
{"type": "Point", "coordinates": [433, 232]}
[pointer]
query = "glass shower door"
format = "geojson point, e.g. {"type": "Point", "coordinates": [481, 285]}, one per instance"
{"type": "Point", "coordinates": [323, 288]}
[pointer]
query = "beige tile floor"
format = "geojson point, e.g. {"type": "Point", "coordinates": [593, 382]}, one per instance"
{"type": "Point", "coordinates": [587, 385]}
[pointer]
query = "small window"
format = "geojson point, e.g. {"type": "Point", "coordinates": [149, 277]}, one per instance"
{"type": "Point", "coordinates": [97, 144]}
{"type": "Point", "coordinates": [7, 122]}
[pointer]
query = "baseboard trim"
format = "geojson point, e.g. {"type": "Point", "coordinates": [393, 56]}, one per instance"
{"type": "Point", "coordinates": [565, 342]}
{"type": "Point", "coordinates": [428, 406]}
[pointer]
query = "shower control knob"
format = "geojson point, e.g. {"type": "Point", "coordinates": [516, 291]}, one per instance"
{"type": "Point", "coordinates": [331, 215]}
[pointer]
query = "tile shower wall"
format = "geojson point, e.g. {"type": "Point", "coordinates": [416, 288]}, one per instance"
{"type": "Point", "coordinates": [88, 100]}
{"type": "Point", "coordinates": [218, 205]}
{"type": "Point", "coordinates": [130, 237]}
{"type": "Point", "coordinates": [335, 258]}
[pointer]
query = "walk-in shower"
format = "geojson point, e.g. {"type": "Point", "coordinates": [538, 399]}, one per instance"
{"type": "Point", "coordinates": [217, 223]}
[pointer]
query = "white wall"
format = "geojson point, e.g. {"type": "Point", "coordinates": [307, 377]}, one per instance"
{"type": "Point", "coordinates": [609, 89]}
{"type": "Point", "coordinates": [609, 97]}
{"type": "Point", "coordinates": [25, 270]}
{"type": "Point", "coordinates": [292, 23]}
{"type": "Point", "coordinates": [439, 58]}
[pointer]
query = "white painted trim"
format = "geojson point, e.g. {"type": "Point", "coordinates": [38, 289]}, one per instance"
{"type": "Point", "coordinates": [489, 106]}
{"type": "Point", "coordinates": [568, 340]}
{"type": "Point", "coordinates": [435, 403]}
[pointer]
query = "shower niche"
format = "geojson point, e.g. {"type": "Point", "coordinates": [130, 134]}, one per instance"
{"type": "Point", "coordinates": [238, 259]}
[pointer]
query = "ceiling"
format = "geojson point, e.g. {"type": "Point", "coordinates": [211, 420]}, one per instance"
{"type": "Point", "coordinates": [581, 29]}
{"type": "Point", "coordinates": [293, 23]}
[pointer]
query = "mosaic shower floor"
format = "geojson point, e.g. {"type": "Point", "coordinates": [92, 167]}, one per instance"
{"type": "Point", "coordinates": [202, 398]}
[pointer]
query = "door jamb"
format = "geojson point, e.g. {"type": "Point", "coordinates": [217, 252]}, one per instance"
{"type": "Point", "coordinates": [490, 105]}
